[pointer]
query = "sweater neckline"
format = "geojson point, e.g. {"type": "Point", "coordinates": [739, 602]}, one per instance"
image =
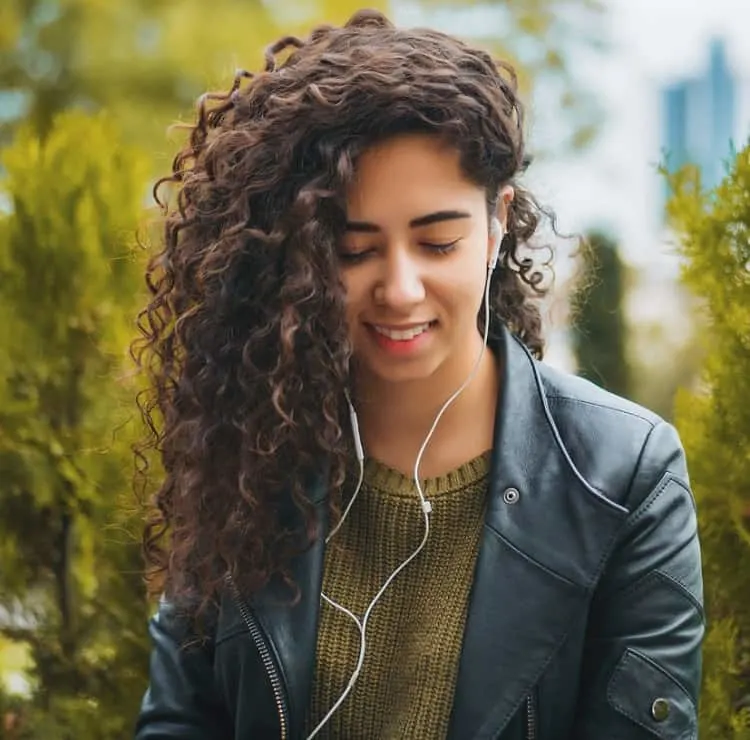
{"type": "Point", "coordinates": [387, 480]}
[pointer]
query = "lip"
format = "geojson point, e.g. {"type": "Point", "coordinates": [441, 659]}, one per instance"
{"type": "Point", "coordinates": [403, 347]}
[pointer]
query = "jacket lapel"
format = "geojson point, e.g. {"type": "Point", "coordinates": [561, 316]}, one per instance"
{"type": "Point", "coordinates": [546, 535]}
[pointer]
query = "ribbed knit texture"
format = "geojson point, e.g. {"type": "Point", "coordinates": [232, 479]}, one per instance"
{"type": "Point", "coordinates": [416, 629]}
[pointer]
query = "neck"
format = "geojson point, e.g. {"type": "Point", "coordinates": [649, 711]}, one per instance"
{"type": "Point", "coordinates": [396, 417]}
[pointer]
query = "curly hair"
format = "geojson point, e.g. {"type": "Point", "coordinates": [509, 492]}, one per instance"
{"type": "Point", "coordinates": [243, 342]}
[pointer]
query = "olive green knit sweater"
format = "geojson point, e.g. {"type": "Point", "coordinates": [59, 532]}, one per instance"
{"type": "Point", "coordinates": [415, 631]}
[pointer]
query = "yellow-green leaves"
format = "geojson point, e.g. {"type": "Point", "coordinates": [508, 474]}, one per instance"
{"type": "Point", "coordinates": [71, 284]}
{"type": "Point", "coordinates": [714, 235]}
{"type": "Point", "coordinates": [76, 198]}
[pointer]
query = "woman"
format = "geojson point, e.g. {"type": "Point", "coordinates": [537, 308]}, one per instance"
{"type": "Point", "coordinates": [382, 516]}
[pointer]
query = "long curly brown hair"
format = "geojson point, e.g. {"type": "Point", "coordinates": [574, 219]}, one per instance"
{"type": "Point", "coordinates": [244, 343]}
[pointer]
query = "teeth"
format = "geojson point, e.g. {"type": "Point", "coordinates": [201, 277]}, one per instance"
{"type": "Point", "coordinates": [402, 336]}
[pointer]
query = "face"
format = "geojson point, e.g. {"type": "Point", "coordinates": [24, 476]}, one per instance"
{"type": "Point", "coordinates": [414, 261]}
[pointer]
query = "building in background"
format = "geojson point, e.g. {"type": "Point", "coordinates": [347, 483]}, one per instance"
{"type": "Point", "coordinates": [699, 118]}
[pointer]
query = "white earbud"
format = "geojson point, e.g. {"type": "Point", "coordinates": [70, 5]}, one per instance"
{"type": "Point", "coordinates": [354, 421]}
{"type": "Point", "coordinates": [497, 233]}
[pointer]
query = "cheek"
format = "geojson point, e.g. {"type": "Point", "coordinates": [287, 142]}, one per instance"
{"type": "Point", "coordinates": [463, 288]}
{"type": "Point", "coordinates": [354, 291]}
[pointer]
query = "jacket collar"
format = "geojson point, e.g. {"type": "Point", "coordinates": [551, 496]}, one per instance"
{"type": "Point", "coordinates": [546, 535]}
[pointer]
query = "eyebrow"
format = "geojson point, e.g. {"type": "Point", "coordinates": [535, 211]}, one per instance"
{"type": "Point", "coordinates": [430, 218]}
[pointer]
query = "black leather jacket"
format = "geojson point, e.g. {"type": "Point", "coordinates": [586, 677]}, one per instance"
{"type": "Point", "coordinates": [585, 619]}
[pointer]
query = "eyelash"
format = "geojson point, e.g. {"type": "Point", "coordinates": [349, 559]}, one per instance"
{"type": "Point", "coordinates": [441, 248]}
{"type": "Point", "coordinates": [355, 257]}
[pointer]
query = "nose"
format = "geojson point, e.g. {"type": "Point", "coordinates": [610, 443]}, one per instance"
{"type": "Point", "coordinates": [401, 283]}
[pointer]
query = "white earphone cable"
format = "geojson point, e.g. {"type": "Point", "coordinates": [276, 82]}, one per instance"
{"type": "Point", "coordinates": [424, 503]}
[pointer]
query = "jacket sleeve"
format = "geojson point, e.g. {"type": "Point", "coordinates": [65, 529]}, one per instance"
{"type": "Point", "coordinates": [181, 700]}
{"type": "Point", "coordinates": [641, 671]}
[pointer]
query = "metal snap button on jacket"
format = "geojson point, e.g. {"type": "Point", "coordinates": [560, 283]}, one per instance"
{"type": "Point", "coordinates": [660, 709]}
{"type": "Point", "coordinates": [511, 495]}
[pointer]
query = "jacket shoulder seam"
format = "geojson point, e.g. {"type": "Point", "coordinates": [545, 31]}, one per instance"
{"type": "Point", "coordinates": [653, 496]}
{"type": "Point", "coordinates": [573, 400]}
{"type": "Point", "coordinates": [636, 468]}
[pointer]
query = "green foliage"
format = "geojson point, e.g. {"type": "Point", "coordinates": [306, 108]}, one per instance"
{"type": "Point", "coordinates": [69, 284]}
{"type": "Point", "coordinates": [714, 230]}
{"type": "Point", "coordinates": [144, 61]}
{"type": "Point", "coordinates": [599, 332]}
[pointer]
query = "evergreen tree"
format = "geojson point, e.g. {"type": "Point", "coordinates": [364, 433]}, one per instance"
{"type": "Point", "coordinates": [599, 332]}
{"type": "Point", "coordinates": [70, 585]}
{"type": "Point", "coordinates": [714, 231]}
{"type": "Point", "coordinates": [144, 61]}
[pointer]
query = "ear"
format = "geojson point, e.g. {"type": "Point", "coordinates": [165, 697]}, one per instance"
{"type": "Point", "coordinates": [505, 197]}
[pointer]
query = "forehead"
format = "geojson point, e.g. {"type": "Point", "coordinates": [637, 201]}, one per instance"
{"type": "Point", "coordinates": [409, 175]}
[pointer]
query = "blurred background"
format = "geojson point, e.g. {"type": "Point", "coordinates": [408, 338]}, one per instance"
{"type": "Point", "coordinates": [638, 119]}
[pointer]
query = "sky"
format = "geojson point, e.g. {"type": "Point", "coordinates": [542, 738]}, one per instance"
{"type": "Point", "coordinates": [669, 36]}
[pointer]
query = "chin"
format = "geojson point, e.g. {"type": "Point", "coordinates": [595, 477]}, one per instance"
{"type": "Point", "coordinates": [401, 372]}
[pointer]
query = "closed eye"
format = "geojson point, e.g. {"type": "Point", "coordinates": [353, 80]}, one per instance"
{"type": "Point", "coordinates": [352, 258]}
{"type": "Point", "coordinates": [441, 248]}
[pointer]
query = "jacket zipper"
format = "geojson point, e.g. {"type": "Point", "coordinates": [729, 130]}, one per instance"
{"type": "Point", "coordinates": [531, 733]}
{"type": "Point", "coordinates": [531, 723]}
{"type": "Point", "coordinates": [265, 656]}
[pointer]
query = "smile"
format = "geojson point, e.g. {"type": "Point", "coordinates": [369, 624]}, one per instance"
{"type": "Point", "coordinates": [402, 335]}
